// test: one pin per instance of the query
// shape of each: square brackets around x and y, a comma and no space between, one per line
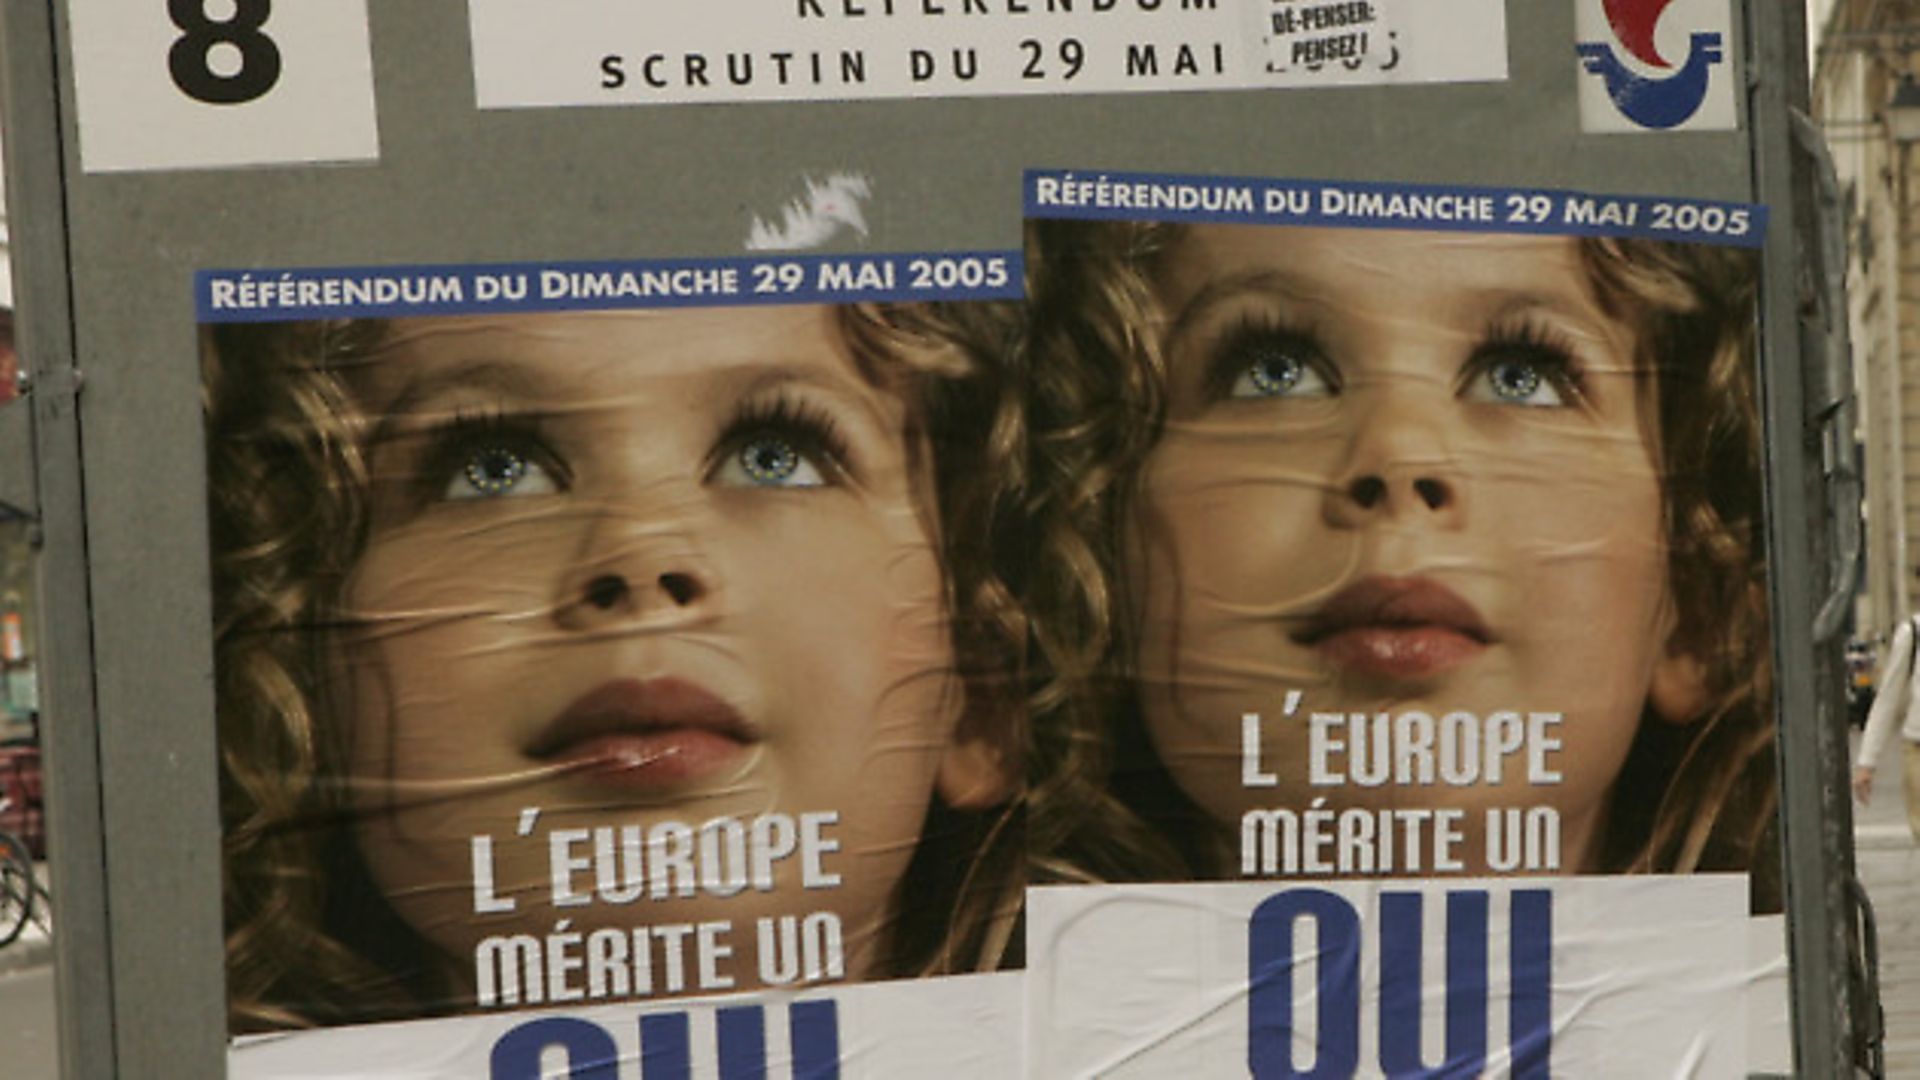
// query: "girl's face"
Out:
[1400,471]
[637,568]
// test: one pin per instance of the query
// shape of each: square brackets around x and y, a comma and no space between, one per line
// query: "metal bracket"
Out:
[54,390]
[64,383]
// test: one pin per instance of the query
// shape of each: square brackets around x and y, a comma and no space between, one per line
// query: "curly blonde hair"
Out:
[1698,796]
[310,940]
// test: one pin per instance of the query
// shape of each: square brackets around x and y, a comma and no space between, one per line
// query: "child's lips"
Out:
[1396,628]
[645,734]
[1399,652]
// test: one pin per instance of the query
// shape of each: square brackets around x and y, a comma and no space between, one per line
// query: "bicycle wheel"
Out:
[16,888]
[41,913]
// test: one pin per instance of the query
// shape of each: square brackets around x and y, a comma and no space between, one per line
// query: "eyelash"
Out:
[1235,351]
[1534,342]
[452,444]
[1523,339]
[810,428]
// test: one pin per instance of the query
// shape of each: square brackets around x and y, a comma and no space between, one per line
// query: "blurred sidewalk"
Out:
[1889,867]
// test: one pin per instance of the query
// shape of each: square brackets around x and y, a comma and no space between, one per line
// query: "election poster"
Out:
[618,632]
[1312,628]
[1417,608]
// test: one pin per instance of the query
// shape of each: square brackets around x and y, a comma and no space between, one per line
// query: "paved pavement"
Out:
[28,1039]
[1889,867]
[29,1042]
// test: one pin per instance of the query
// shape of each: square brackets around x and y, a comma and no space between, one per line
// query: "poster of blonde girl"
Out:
[1423,697]
[672,635]
[1434,519]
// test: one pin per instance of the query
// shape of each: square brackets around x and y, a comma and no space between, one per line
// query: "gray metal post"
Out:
[36,175]
[1816,817]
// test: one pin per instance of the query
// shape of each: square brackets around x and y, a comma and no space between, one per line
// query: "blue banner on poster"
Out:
[266,295]
[1119,196]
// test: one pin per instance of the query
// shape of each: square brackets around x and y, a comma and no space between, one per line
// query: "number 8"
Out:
[187,60]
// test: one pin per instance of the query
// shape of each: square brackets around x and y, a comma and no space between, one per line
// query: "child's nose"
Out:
[612,592]
[633,572]
[1399,466]
[1369,492]
[1427,494]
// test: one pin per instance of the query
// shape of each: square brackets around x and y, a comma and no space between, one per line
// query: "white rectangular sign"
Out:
[613,52]
[215,83]
[1525,978]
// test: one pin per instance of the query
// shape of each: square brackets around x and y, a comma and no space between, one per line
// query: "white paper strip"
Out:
[616,52]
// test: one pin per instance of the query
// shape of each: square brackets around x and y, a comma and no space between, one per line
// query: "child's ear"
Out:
[977,770]
[1678,691]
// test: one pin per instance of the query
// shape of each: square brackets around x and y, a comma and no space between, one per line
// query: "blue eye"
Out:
[1261,358]
[1268,378]
[1518,380]
[1528,363]
[498,470]
[1513,381]
[1279,376]
[785,441]
[770,460]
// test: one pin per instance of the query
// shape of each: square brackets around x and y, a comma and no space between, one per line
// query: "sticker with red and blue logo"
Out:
[1656,65]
